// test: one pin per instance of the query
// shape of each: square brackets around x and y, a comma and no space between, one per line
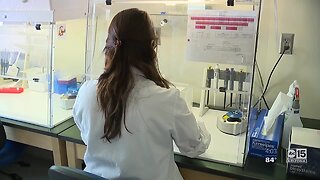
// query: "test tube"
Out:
[6,65]
[231,84]
[2,57]
[2,66]
[232,78]
[210,74]
[241,80]
[216,77]
[242,77]
[226,78]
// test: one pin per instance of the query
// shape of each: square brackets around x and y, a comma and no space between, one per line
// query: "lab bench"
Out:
[254,168]
[65,142]
[38,136]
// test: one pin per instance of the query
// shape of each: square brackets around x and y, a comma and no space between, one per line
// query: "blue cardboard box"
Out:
[265,146]
[62,87]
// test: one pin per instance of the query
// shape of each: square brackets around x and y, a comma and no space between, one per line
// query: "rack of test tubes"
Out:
[230,84]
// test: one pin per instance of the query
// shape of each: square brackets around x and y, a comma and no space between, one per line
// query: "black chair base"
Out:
[13,176]
[67,173]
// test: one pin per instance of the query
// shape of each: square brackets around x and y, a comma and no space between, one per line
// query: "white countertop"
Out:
[32,107]
[223,148]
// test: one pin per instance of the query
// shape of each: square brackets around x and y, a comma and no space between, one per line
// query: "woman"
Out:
[130,116]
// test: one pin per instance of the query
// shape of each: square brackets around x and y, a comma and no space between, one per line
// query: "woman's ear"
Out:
[154,43]
[118,43]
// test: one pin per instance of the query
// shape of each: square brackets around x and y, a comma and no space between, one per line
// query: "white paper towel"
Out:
[280,105]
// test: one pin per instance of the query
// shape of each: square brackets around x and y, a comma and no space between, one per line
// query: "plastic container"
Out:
[66,103]
[38,83]
[293,120]
[61,85]
[67,100]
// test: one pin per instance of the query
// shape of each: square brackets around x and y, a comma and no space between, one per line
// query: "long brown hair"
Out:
[131,43]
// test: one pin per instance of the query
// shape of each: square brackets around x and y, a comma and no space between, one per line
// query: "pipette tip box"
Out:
[61,86]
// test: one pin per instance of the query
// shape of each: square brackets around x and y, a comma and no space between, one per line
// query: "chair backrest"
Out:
[3,136]
[67,173]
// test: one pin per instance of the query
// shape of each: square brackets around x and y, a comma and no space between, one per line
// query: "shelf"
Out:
[18,79]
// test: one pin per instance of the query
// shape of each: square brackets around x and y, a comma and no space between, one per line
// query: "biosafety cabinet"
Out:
[206,48]
[42,52]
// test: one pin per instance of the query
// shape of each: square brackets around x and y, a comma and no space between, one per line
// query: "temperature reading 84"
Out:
[270,159]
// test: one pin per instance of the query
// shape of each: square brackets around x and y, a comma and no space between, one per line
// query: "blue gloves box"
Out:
[265,146]
[304,152]
[61,86]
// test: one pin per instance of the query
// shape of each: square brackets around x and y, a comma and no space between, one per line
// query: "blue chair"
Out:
[9,152]
[67,173]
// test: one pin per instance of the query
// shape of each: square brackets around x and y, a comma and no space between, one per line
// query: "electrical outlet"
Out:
[286,40]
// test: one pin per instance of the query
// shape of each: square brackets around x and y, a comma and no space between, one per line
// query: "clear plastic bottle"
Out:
[293,120]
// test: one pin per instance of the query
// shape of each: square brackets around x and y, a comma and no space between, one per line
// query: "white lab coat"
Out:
[155,117]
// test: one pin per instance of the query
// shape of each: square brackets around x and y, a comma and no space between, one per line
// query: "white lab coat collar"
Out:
[136,72]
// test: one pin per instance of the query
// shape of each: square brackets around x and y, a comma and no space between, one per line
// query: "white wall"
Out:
[69,9]
[172,51]
[300,17]
[20,5]
[70,49]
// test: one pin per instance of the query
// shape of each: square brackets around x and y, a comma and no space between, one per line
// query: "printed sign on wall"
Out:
[221,36]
